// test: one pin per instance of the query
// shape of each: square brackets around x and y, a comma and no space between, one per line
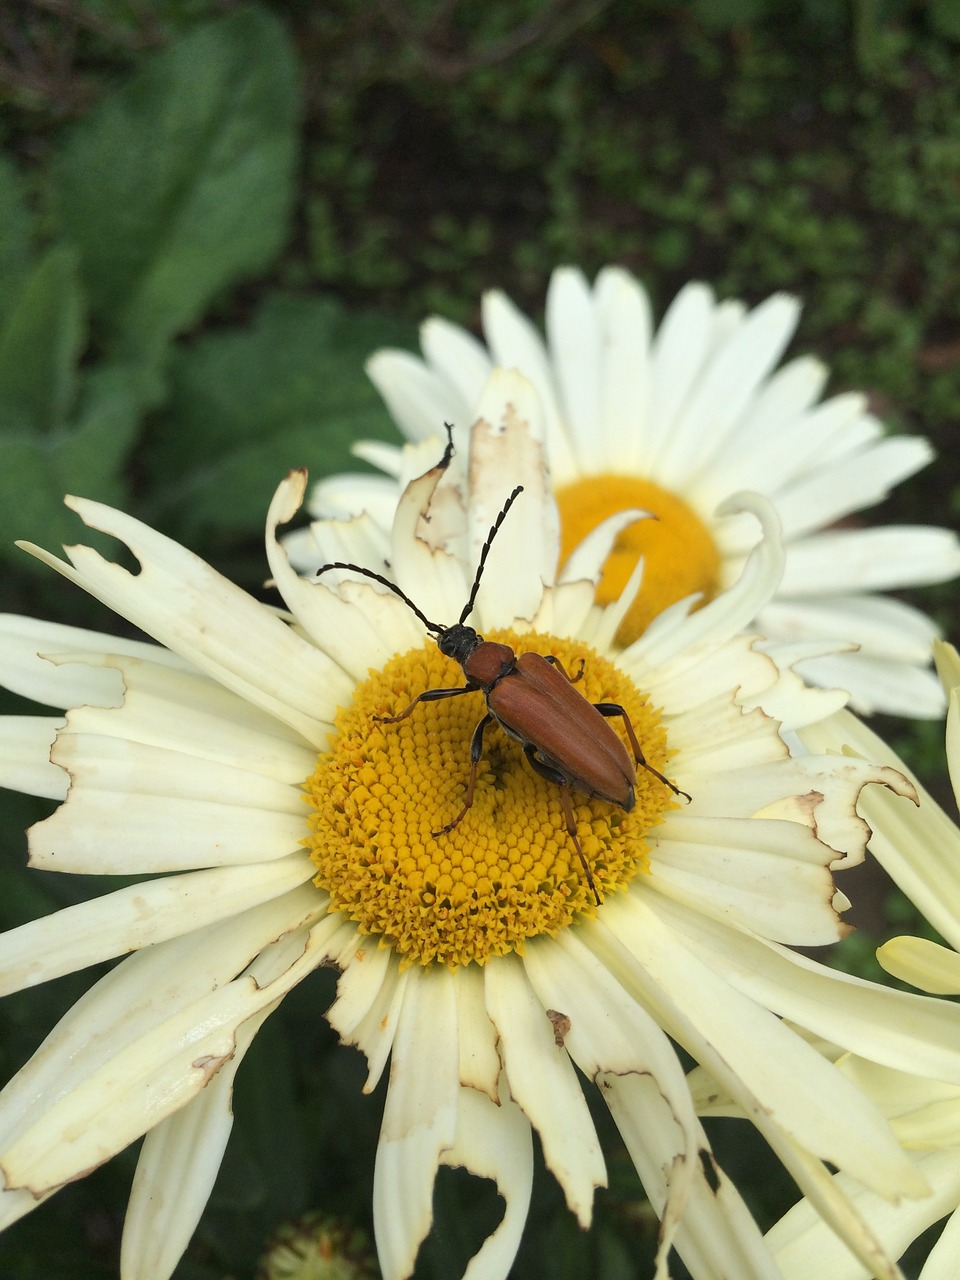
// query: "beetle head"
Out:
[458,642]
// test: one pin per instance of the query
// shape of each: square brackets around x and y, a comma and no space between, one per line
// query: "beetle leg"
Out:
[614,709]
[554,775]
[428,695]
[555,662]
[476,751]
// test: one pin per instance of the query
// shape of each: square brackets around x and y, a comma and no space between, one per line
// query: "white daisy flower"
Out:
[920,848]
[674,421]
[476,960]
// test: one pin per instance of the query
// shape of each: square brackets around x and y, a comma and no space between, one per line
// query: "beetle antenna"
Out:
[378,577]
[485,551]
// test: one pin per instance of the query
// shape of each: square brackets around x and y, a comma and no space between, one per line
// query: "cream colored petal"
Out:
[177,1168]
[769,878]
[941,1263]
[15,1203]
[610,1037]
[953,739]
[194,611]
[139,994]
[923,964]
[25,764]
[191,714]
[918,846]
[147,1081]
[841,1204]
[419,1119]
[744,1047]
[805,1246]
[109,825]
[896,1028]
[479,1060]
[139,916]
[370,995]
[713,1232]
[495,1142]
[506,449]
[344,630]
[26,644]
[824,791]
[544,1084]
[948,664]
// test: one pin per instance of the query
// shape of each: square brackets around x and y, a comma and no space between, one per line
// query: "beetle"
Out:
[566,739]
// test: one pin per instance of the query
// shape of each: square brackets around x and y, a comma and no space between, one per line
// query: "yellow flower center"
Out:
[680,556]
[509,870]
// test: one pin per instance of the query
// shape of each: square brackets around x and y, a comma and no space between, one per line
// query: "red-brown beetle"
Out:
[566,739]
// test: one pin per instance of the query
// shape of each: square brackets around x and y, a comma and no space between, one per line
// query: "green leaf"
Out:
[14,236]
[246,407]
[40,345]
[181,183]
[86,459]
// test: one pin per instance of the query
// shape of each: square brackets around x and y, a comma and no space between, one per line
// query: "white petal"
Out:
[178,1166]
[723,389]
[575,346]
[544,1084]
[138,916]
[458,356]
[516,344]
[352,493]
[419,1119]
[680,348]
[479,1060]
[731,611]
[419,399]
[882,627]
[850,483]
[25,765]
[878,685]
[625,317]
[851,561]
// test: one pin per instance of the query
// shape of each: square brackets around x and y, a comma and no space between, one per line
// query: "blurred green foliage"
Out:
[211,213]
